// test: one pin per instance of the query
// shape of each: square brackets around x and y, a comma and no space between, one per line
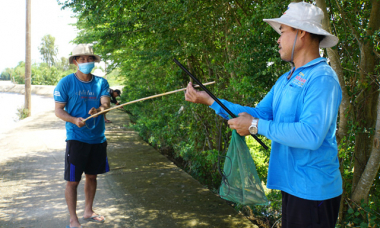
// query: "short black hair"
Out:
[117,91]
[317,37]
[312,35]
[75,57]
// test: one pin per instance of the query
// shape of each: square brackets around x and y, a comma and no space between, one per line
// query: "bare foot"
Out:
[75,223]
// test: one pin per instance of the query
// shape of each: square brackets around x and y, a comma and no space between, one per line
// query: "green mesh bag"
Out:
[240,183]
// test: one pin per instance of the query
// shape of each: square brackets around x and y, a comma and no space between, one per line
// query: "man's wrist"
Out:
[102,108]
[210,101]
[253,129]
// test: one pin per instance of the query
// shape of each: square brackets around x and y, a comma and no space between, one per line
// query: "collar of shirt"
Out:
[311,63]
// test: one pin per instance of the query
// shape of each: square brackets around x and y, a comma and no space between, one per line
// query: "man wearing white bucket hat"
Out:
[78,96]
[299,115]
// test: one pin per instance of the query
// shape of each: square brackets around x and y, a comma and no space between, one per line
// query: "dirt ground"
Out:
[143,188]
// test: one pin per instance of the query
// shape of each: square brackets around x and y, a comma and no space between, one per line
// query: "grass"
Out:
[22,113]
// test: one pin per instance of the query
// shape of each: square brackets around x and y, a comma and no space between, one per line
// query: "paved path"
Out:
[143,189]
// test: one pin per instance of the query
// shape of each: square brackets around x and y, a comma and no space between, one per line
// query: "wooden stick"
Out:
[142,99]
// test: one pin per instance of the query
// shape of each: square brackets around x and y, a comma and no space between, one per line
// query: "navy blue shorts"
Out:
[302,213]
[83,157]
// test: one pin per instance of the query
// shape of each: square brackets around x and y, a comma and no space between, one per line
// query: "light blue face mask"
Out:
[86,68]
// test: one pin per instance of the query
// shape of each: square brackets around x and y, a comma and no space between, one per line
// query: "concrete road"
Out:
[143,188]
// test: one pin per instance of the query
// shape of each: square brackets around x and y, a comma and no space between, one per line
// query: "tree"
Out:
[19,73]
[366,147]
[10,72]
[64,65]
[48,50]
[6,74]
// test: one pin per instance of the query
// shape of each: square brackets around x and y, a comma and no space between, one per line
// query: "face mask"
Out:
[86,68]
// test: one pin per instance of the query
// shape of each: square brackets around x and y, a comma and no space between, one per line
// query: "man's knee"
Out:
[72,184]
[90,177]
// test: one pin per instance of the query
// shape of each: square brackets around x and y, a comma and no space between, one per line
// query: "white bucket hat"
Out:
[307,17]
[83,49]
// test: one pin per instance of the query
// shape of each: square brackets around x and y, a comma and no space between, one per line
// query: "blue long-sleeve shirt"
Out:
[299,115]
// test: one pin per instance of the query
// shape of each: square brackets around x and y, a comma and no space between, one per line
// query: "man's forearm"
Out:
[62,114]
[103,107]
[105,104]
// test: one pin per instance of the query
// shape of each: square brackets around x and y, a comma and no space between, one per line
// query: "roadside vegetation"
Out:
[22,113]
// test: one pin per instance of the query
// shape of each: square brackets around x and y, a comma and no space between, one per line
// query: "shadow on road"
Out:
[143,189]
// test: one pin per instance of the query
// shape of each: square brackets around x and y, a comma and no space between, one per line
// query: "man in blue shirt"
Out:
[78,96]
[299,115]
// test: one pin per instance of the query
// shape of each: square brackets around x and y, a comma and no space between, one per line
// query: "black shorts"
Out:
[302,213]
[83,157]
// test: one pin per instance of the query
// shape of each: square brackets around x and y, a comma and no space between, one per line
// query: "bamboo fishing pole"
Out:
[141,99]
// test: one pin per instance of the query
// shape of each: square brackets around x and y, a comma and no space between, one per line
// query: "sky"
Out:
[46,18]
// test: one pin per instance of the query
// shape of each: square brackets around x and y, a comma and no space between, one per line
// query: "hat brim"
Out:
[328,41]
[97,57]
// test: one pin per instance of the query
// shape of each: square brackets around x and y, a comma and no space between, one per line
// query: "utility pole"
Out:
[28,74]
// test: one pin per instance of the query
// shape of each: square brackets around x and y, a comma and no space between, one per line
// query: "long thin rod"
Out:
[141,99]
[204,88]
[216,99]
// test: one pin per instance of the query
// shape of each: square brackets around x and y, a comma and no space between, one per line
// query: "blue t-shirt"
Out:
[299,115]
[79,97]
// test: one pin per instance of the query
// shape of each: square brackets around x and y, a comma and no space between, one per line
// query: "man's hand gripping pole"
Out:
[215,99]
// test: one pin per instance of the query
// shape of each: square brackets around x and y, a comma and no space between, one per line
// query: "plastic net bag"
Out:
[240,183]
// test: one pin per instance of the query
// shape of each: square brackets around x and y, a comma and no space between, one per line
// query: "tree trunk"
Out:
[366,119]
[372,167]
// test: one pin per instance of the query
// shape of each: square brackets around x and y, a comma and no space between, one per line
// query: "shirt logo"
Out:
[299,81]
[86,95]
[57,93]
